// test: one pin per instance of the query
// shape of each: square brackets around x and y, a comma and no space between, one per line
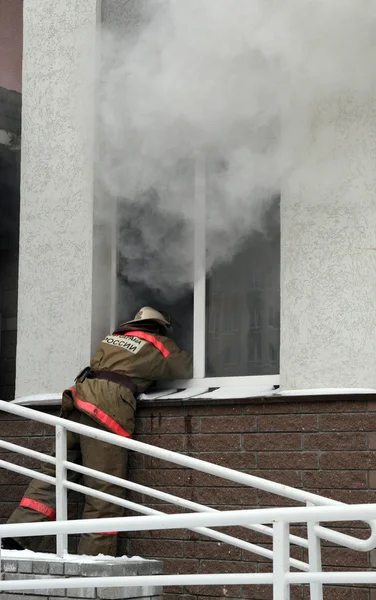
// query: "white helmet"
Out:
[146,313]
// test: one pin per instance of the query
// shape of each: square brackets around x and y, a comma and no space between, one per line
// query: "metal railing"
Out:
[273,522]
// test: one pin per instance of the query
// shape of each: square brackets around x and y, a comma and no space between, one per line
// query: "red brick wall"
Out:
[36,436]
[322,445]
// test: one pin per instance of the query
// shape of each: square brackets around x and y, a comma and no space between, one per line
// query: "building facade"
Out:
[299,319]
[327,222]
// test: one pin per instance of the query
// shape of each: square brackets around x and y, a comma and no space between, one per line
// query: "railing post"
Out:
[314,559]
[281,560]
[61,490]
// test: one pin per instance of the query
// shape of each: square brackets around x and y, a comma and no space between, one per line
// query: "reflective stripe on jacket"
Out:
[145,357]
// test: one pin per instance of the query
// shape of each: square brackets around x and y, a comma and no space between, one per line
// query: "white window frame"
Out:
[199,298]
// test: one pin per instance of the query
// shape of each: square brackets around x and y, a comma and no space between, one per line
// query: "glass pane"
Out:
[243,306]
[155,252]
[155,259]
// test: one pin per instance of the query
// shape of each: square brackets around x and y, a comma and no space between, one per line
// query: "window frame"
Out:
[199,380]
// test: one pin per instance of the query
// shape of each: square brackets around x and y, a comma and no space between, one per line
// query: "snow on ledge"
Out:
[80,558]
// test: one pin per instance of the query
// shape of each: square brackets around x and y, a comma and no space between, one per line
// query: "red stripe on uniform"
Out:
[39,507]
[149,338]
[93,410]
[107,533]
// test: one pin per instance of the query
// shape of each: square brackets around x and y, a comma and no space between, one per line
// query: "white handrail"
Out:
[216,535]
[139,508]
[206,467]
[170,498]
[320,509]
[281,577]
[224,518]
[28,452]
[329,577]
[28,472]
[170,456]
[144,490]
[134,581]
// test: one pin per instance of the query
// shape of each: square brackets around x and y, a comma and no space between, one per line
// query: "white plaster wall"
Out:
[56,231]
[328,278]
[328,281]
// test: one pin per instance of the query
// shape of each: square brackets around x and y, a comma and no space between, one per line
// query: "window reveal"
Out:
[230,320]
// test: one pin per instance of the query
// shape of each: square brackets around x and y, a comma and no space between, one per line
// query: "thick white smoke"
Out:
[184,81]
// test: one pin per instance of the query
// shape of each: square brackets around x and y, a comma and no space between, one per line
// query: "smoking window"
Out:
[223,294]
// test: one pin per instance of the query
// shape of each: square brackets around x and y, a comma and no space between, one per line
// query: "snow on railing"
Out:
[270,522]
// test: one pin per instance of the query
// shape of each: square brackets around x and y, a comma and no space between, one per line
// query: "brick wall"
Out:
[322,445]
[35,436]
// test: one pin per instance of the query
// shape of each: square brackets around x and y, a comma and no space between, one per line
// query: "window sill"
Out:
[39,400]
[217,396]
[222,396]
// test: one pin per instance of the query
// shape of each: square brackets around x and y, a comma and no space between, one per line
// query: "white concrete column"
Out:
[56,276]
[328,283]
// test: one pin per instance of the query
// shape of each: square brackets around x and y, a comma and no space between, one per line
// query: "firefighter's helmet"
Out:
[146,313]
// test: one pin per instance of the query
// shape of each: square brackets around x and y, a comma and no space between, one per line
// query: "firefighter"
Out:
[125,364]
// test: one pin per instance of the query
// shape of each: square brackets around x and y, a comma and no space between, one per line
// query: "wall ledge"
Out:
[213,398]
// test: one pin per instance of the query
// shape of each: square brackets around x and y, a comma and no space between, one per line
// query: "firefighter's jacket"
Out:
[142,356]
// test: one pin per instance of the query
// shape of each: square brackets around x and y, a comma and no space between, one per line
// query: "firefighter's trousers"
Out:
[38,503]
